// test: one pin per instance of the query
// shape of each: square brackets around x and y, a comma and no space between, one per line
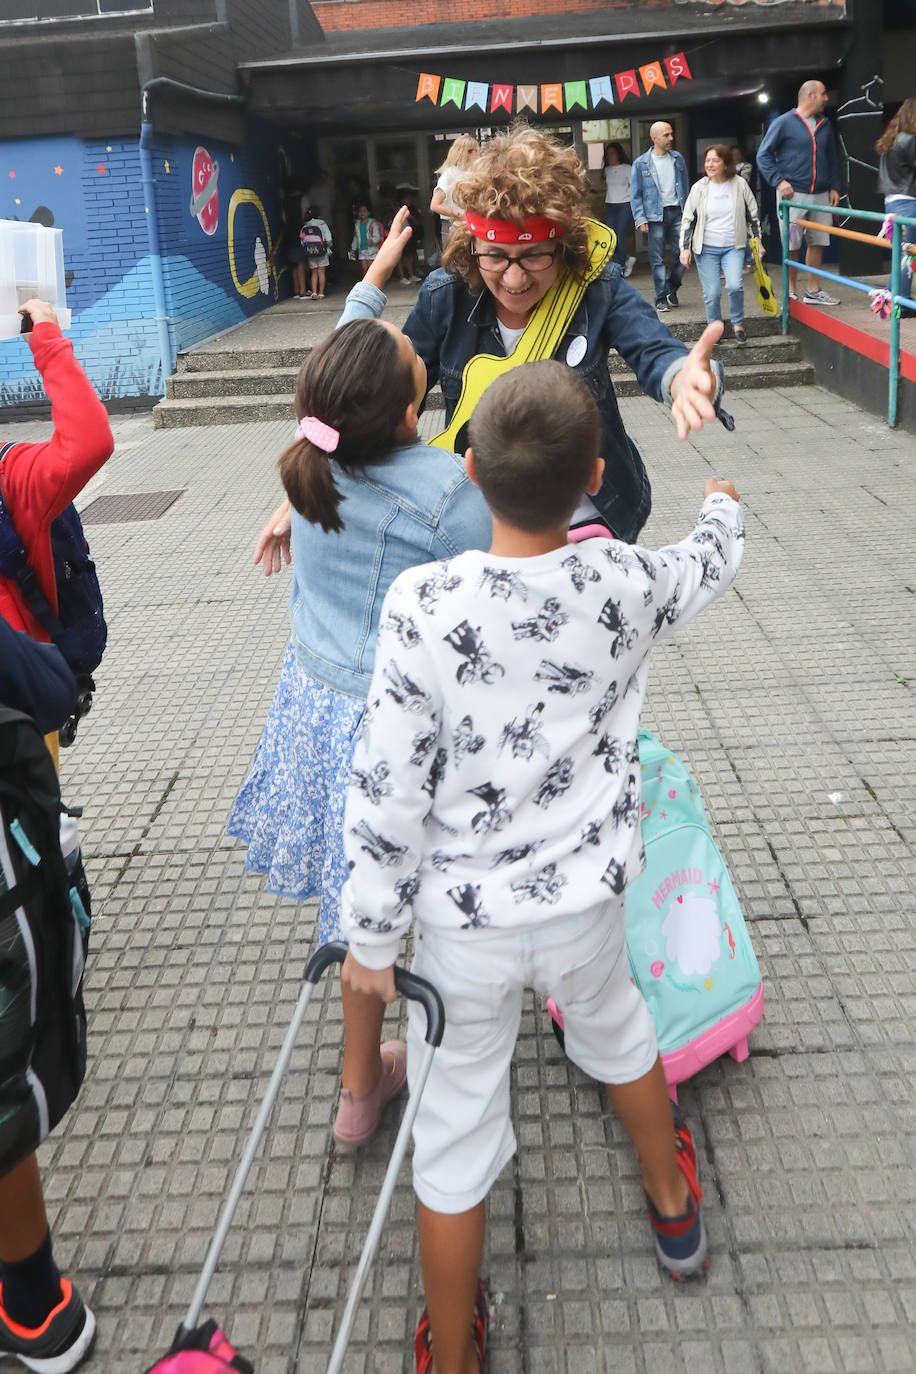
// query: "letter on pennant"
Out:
[428,87]
[453,89]
[626,83]
[527,98]
[575,94]
[651,75]
[477,94]
[552,96]
[501,97]
[601,89]
[676,66]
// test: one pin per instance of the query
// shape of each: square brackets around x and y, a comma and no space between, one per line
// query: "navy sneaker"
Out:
[680,1242]
[63,1340]
[673,300]
[662,305]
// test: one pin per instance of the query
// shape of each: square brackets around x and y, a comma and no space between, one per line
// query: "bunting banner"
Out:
[563,96]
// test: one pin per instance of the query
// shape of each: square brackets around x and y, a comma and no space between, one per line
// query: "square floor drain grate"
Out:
[114,510]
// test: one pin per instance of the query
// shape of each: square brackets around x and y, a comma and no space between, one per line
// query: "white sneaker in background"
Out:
[628,266]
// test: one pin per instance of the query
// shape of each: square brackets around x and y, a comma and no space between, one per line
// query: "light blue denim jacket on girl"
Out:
[416,506]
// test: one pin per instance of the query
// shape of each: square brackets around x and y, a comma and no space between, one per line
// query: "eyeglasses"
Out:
[497,263]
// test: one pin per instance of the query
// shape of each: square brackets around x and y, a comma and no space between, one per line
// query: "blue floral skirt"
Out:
[290,809]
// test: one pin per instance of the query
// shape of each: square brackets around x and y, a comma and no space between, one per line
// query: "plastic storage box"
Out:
[31,264]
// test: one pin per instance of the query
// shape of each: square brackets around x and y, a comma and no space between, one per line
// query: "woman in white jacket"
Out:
[714,229]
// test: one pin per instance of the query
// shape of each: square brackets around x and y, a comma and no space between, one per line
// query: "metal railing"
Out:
[897,250]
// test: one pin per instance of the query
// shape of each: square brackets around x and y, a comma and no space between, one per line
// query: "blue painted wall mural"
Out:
[218,219]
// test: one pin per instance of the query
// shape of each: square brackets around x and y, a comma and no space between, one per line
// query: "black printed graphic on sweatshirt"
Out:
[544,887]
[610,750]
[645,563]
[556,781]
[387,853]
[589,834]
[364,922]
[373,784]
[670,611]
[618,555]
[615,877]
[435,774]
[503,583]
[580,573]
[525,736]
[405,627]
[614,620]
[600,709]
[544,625]
[479,664]
[405,890]
[435,585]
[626,808]
[464,741]
[467,900]
[366,719]
[496,815]
[443,862]
[421,744]
[516,853]
[712,532]
[712,571]
[569,679]
[408,694]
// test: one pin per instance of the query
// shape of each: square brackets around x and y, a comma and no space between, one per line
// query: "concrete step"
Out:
[223,410]
[737,378]
[279,381]
[759,351]
[261,359]
[689,327]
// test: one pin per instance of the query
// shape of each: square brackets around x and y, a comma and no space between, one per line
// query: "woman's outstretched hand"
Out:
[694,387]
[389,253]
[273,541]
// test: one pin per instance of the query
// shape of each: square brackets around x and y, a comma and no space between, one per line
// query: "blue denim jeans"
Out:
[666,234]
[728,261]
[618,216]
[907,235]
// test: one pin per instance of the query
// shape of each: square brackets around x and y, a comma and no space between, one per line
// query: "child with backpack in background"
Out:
[369,499]
[43,1321]
[495,799]
[315,238]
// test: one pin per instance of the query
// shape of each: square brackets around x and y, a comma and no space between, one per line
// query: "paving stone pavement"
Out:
[792,702]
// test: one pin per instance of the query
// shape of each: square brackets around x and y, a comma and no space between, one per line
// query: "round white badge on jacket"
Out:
[576,351]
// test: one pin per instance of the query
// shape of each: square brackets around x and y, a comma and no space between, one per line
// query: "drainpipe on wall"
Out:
[166,353]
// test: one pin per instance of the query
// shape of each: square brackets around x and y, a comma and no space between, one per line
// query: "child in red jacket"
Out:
[43,1321]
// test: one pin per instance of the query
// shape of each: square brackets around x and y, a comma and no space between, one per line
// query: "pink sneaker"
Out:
[358,1117]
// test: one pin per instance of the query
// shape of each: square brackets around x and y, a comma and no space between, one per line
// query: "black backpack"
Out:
[44,926]
[312,240]
[79,628]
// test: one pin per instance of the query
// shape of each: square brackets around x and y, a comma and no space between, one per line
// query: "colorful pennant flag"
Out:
[428,86]
[552,98]
[477,94]
[453,90]
[652,76]
[676,66]
[527,98]
[501,98]
[601,89]
[575,94]
[626,83]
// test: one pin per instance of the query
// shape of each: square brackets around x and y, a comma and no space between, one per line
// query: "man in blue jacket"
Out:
[798,155]
[658,189]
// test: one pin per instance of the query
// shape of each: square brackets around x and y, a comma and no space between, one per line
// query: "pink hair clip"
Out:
[318,433]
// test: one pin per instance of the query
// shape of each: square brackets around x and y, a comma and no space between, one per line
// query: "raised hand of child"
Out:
[714,484]
[39,312]
[389,253]
[694,387]
[373,982]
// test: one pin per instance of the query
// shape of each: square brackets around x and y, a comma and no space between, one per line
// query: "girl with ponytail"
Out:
[368,499]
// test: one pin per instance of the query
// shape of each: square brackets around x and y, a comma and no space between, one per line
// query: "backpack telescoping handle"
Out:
[409,985]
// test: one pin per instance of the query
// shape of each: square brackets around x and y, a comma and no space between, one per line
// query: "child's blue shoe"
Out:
[680,1242]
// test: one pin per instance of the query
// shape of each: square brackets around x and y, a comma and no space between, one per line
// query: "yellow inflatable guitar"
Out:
[542,335]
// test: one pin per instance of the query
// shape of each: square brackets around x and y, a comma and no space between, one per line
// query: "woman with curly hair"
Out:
[897,178]
[523,254]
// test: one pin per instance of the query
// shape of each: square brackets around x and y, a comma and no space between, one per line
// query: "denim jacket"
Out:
[449,325]
[646,193]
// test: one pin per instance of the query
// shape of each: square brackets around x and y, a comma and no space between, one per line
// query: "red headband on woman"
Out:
[535,229]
